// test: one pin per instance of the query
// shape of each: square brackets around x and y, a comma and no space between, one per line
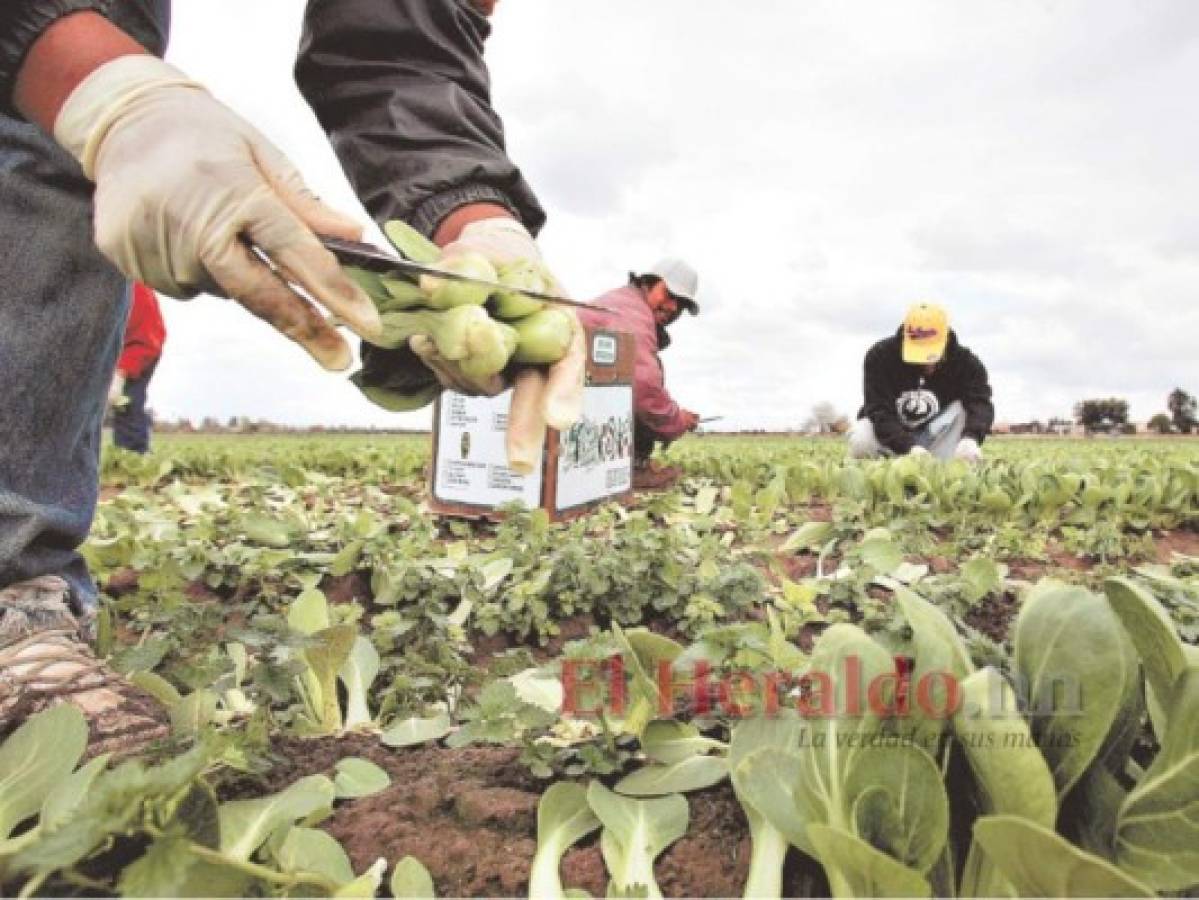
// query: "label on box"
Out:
[595,455]
[603,349]
[472,456]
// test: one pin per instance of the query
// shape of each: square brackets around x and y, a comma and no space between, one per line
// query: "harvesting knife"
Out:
[369,257]
[711,419]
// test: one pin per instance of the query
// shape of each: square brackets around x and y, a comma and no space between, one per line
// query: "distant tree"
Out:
[824,417]
[1060,425]
[1106,415]
[1183,409]
[1161,424]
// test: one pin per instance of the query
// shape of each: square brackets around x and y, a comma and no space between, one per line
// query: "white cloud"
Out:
[1030,164]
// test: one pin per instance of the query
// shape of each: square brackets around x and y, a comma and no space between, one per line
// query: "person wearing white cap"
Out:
[645,307]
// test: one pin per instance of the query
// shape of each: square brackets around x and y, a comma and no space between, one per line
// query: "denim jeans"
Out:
[62,313]
[939,437]
[131,424]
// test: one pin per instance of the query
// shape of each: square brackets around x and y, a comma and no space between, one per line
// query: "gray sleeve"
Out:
[401,89]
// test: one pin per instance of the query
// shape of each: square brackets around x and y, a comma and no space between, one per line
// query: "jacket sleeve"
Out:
[23,21]
[879,404]
[145,334]
[401,89]
[976,398]
[655,408]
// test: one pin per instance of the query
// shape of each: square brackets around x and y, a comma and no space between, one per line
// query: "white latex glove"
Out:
[968,450]
[917,450]
[504,240]
[184,186]
[116,392]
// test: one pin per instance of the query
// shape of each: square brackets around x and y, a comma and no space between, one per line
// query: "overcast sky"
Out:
[1030,164]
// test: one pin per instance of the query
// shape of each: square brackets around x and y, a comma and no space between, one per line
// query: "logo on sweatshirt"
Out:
[917,407]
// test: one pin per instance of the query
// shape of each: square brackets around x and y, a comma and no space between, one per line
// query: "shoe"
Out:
[43,661]
[654,477]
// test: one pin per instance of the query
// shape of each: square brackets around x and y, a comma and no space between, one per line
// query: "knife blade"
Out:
[369,257]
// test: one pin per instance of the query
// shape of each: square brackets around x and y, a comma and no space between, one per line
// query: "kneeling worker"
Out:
[645,307]
[925,393]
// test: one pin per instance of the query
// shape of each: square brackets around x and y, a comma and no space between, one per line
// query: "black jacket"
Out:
[900,397]
[399,86]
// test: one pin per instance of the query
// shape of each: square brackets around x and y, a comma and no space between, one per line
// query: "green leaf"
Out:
[1010,773]
[809,536]
[898,804]
[309,612]
[412,880]
[416,730]
[1040,863]
[358,673]
[635,832]
[66,796]
[981,577]
[1152,633]
[1080,671]
[313,850]
[1157,834]
[411,243]
[359,778]
[36,757]
[692,774]
[855,869]
[880,554]
[267,531]
[563,819]
[668,741]
[246,824]
[162,871]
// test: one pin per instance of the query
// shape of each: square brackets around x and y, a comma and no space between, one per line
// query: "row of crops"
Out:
[893,678]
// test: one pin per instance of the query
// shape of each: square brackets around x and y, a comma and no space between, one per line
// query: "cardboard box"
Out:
[589,464]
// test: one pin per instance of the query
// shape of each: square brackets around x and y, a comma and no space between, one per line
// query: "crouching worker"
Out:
[145,334]
[924,393]
[645,307]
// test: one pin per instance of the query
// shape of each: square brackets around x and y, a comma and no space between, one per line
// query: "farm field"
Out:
[792,674]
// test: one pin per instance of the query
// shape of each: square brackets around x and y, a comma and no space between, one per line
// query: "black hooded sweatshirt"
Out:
[901,398]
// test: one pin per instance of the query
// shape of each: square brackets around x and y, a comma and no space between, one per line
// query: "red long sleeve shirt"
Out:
[145,333]
[652,403]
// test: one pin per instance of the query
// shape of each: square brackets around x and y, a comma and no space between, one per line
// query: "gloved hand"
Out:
[917,450]
[503,240]
[968,450]
[691,419]
[116,392]
[184,186]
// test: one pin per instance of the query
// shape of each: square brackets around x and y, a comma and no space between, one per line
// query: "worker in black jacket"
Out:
[924,393]
[115,165]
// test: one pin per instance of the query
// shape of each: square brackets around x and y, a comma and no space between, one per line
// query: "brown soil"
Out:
[1170,542]
[341,589]
[470,816]
[993,616]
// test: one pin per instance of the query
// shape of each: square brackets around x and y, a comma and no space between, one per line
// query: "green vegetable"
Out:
[397,401]
[563,819]
[635,832]
[399,294]
[490,345]
[544,337]
[520,276]
[411,243]
[446,293]
[449,328]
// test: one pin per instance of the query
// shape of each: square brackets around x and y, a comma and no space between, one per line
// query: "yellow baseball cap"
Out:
[925,334]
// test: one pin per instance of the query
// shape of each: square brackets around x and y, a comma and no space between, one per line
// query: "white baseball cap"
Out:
[680,280]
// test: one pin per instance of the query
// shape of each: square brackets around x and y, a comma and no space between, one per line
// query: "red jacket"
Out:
[652,404]
[144,334]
